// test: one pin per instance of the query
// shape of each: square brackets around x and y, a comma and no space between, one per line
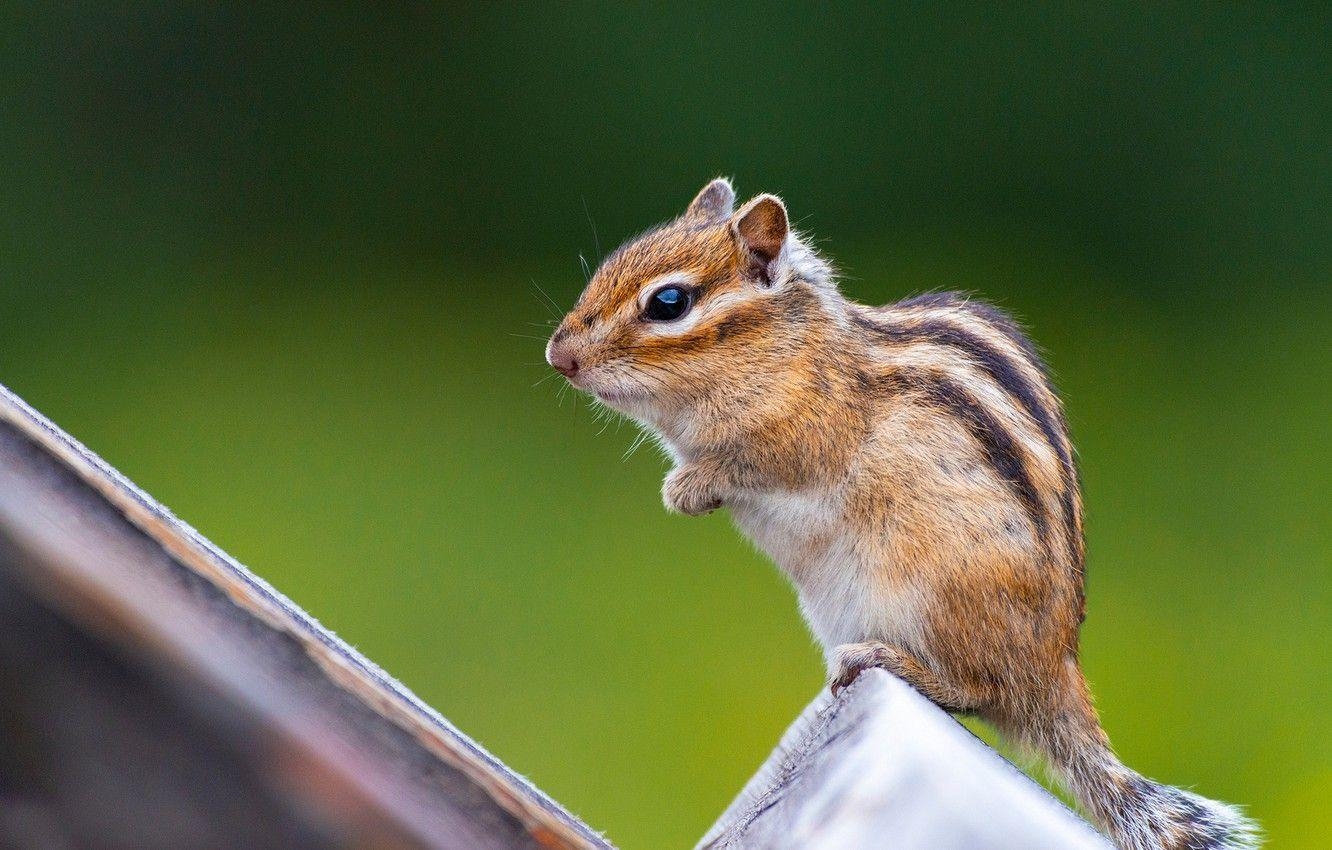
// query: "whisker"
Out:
[596,240]
[634,446]
[555,310]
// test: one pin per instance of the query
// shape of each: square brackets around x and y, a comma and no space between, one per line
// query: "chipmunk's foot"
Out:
[690,490]
[854,659]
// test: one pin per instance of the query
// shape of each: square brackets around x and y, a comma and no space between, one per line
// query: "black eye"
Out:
[667,304]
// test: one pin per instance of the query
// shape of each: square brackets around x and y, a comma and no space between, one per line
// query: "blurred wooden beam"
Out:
[155,693]
[881,766]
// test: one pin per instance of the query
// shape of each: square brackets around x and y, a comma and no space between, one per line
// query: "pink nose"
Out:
[563,360]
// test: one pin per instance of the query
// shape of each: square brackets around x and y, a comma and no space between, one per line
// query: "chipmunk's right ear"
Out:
[761,227]
[713,203]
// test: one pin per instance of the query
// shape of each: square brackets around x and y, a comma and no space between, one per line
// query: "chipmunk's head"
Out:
[705,307]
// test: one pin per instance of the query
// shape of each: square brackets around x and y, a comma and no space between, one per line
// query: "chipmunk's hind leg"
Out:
[854,658]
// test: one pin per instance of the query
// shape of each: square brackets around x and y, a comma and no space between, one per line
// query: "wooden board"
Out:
[155,693]
[882,767]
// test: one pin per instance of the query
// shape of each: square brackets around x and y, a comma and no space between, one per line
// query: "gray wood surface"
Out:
[155,693]
[882,767]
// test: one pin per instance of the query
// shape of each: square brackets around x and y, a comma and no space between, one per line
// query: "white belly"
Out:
[844,593]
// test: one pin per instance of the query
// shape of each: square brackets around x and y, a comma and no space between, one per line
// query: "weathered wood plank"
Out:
[881,766]
[155,693]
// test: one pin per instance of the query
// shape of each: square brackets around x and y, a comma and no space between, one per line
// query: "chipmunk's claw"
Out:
[844,678]
[854,659]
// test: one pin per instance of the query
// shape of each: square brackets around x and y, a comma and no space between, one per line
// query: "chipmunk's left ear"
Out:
[713,203]
[761,227]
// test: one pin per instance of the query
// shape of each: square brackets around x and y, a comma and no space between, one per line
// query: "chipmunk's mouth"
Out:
[608,391]
[618,397]
[614,396]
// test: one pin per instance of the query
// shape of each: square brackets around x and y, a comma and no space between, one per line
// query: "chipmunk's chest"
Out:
[794,529]
[806,536]
[840,576]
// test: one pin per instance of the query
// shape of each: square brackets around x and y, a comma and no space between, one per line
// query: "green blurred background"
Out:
[281,268]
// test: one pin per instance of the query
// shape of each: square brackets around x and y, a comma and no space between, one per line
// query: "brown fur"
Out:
[913,455]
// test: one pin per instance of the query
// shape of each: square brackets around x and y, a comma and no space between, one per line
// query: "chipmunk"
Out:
[908,467]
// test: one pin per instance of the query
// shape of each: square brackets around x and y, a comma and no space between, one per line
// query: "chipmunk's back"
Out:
[971,364]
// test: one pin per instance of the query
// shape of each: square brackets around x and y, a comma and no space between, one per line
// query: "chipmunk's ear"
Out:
[761,228]
[713,203]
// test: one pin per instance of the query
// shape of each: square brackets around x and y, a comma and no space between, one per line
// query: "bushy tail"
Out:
[1137,813]
[1158,816]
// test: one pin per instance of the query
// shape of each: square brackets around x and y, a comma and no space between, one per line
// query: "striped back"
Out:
[971,360]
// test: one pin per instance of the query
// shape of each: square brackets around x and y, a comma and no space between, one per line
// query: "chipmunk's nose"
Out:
[561,357]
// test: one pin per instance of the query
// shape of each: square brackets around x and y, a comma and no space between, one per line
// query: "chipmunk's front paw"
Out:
[691,491]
